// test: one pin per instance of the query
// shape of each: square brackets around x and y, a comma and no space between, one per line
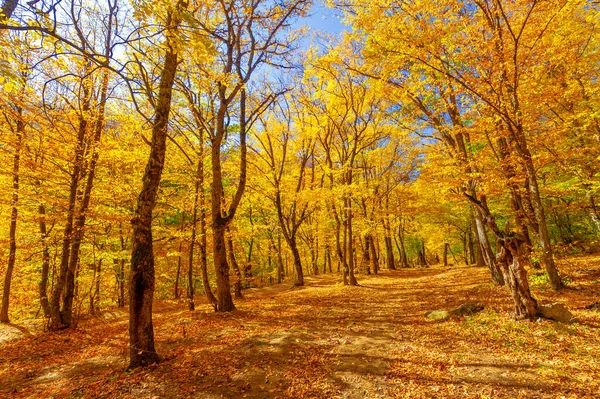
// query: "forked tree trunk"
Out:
[141,289]
[511,260]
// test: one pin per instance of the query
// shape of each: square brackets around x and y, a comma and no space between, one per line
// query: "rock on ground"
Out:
[556,311]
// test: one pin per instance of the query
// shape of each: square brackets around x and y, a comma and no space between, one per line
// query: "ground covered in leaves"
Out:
[329,341]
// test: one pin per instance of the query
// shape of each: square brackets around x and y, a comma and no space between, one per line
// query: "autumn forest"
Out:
[295,199]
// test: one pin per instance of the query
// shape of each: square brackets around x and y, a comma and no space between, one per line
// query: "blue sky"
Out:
[325,20]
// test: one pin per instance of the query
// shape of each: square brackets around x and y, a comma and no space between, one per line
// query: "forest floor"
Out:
[325,340]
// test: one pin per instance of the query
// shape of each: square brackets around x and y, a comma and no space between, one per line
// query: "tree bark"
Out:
[9,7]
[511,260]
[12,253]
[65,283]
[237,285]
[43,286]
[141,288]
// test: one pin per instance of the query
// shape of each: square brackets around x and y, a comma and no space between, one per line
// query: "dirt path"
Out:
[326,341]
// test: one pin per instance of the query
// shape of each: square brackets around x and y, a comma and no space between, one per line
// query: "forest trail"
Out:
[326,340]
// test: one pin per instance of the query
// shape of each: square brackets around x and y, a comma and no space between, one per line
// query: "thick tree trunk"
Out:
[8,7]
[141,289]
[224,298]
[12,251]
[511,260]
[389,253]
[297,262]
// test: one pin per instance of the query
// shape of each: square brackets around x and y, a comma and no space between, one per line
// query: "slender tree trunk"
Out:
[445,257]
[486,249]
[593,210]
[43,286]
[95,296]
[350,241]
[237,285]
[197,188]
[367,254]
[540,215]
[279,261]
[12,253]
[141,289]
[79,226]
[121,272]
[121,301]
[203,239]
[178,271]
[66,276]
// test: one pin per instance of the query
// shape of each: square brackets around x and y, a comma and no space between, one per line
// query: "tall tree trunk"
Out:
[95,295]
[121,272]
[350,241]
[43,286]
[445,257]
[178,271]
[79,226]
[367,254]
[65,276]
[237,285]
[203,239]
[198,186]
[12,253]
[141,289]
[279,261]
[540,215]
